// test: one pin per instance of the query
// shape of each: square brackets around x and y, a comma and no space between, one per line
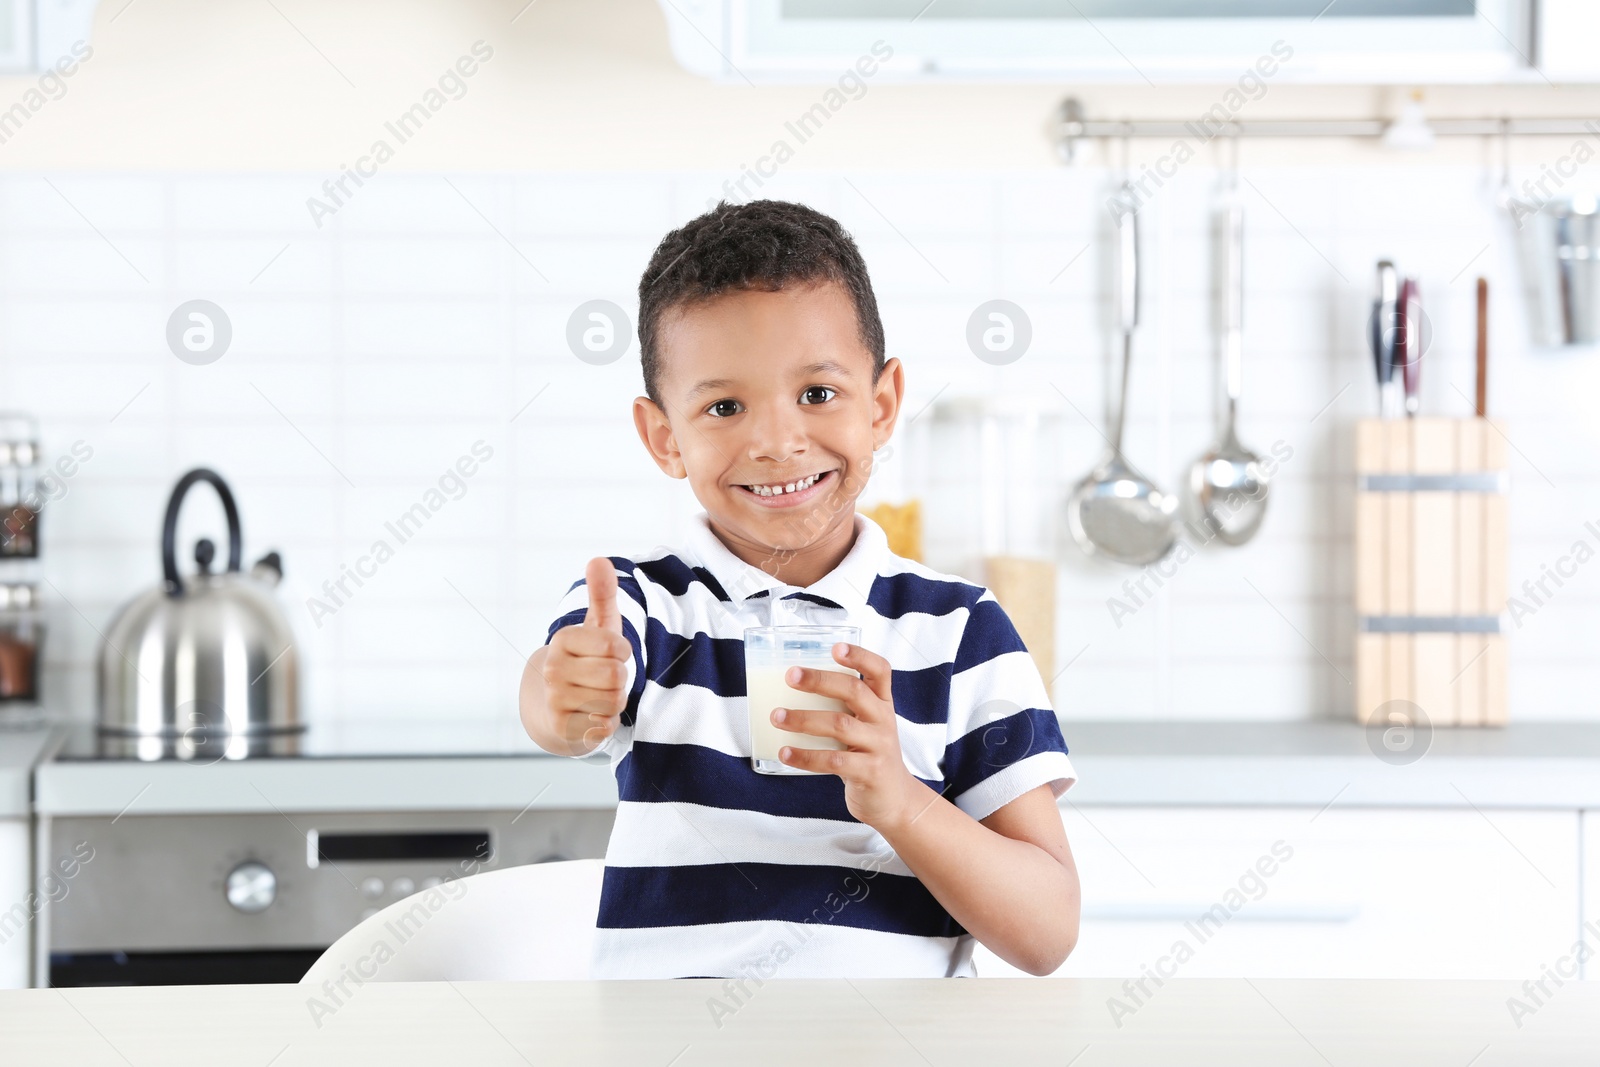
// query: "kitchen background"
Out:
[417,324]
[373,346]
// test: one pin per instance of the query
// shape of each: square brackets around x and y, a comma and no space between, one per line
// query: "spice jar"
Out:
[19,487]
[21,634]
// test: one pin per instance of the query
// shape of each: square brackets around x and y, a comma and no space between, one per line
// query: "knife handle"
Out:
[1408,350]
[1382,332]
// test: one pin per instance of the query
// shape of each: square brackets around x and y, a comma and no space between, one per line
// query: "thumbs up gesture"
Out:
[601,578]
[585,667]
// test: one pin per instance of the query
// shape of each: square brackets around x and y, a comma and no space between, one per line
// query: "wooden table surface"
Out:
[993,1022]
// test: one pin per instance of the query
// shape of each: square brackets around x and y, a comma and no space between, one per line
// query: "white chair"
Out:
[514,924]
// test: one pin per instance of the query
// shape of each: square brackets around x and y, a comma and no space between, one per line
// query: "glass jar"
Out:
[19,487]
[988,472]
[21,637]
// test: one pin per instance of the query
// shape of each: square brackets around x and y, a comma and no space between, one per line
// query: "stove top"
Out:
[420,739]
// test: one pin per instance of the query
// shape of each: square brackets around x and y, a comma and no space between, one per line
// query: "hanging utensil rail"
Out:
[1072,126]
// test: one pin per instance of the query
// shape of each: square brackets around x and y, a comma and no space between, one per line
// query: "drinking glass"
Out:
[769,652]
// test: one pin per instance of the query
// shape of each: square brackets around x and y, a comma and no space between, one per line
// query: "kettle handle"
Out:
[169,531]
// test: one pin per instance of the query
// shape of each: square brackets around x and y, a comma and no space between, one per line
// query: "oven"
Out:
[156,899]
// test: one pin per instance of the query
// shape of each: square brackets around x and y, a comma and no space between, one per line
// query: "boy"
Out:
[768,390]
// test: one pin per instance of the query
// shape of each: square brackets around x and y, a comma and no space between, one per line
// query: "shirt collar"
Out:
[847,585]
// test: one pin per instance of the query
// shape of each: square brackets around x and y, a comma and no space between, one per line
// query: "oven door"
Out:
[245,898]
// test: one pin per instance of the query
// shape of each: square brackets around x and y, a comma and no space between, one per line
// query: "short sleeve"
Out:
[632,606]
[1003,738]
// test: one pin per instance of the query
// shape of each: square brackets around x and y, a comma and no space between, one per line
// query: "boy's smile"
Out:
[789,494]
[772,414]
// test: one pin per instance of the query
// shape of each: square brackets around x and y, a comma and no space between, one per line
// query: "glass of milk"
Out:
[769,652]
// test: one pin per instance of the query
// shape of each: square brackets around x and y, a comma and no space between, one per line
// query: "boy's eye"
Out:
[721,409]
[818,394]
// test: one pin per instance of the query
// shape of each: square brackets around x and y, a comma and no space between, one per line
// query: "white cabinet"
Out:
[1347,893]
[1163,42]
[16,912]
[1566,40]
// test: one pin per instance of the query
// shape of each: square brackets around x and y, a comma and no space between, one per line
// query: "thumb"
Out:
[601,577]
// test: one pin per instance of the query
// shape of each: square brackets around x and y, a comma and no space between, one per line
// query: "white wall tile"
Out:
[432,391]
[271,328]
[627,206]
[60,387]
[250,390]
[874,205]
[52,324]
[424,267]
[76,202]
[259,265]
[266,446]
[118,265]
[205,204]
[575,269]
[381,328]
[417,204]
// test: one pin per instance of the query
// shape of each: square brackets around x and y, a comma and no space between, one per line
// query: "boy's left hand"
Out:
[878,789]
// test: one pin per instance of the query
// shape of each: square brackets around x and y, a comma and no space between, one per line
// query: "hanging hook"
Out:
[1069,129]
[1505,153]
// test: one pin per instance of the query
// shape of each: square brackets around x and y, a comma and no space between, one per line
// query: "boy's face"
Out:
[763,391]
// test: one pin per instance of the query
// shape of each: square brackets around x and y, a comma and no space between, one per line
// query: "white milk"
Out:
[768,690]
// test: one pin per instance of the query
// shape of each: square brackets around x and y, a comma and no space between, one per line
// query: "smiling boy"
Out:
[768,390]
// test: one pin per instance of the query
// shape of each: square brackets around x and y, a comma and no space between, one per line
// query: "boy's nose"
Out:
[776,435]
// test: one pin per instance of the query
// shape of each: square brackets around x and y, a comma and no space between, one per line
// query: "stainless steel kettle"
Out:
[204,656]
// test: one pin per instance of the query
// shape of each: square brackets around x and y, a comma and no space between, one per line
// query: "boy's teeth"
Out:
[779,490]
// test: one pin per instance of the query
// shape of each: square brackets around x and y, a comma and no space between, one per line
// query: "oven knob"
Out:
[252,887]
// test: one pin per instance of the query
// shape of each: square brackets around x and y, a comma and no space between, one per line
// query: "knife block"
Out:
[1430,568]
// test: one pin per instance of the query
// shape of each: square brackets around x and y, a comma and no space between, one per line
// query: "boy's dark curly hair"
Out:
[765,244]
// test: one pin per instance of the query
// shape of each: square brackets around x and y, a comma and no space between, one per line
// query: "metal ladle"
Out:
[1227,485]
[1115,511]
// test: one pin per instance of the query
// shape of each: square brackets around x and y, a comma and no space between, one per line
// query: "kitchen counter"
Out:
[20,750]
[882,1022]
[417,766]
[1524,765]
[1308,764]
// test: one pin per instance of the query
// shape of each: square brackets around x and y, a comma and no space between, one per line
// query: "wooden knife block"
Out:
[1431,582]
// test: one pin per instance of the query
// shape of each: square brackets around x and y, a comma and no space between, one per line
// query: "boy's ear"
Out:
[656,433]
[887,395]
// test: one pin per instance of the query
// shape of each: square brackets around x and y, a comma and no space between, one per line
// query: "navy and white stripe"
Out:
[715,870]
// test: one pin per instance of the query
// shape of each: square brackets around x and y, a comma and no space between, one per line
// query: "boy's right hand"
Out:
[586,669]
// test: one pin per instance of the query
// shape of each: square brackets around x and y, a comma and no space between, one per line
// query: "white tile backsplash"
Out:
[377,334]
[113,203]
[369,354]
[114,264]
[254,204]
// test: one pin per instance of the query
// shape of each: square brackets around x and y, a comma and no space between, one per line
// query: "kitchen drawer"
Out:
[1350,893]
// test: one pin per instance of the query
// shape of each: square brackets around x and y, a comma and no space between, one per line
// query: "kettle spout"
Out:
[268,568]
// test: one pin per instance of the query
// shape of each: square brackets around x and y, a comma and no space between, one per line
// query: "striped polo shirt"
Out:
[714,870]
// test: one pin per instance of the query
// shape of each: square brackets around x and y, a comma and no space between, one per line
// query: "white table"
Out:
[992,1022]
